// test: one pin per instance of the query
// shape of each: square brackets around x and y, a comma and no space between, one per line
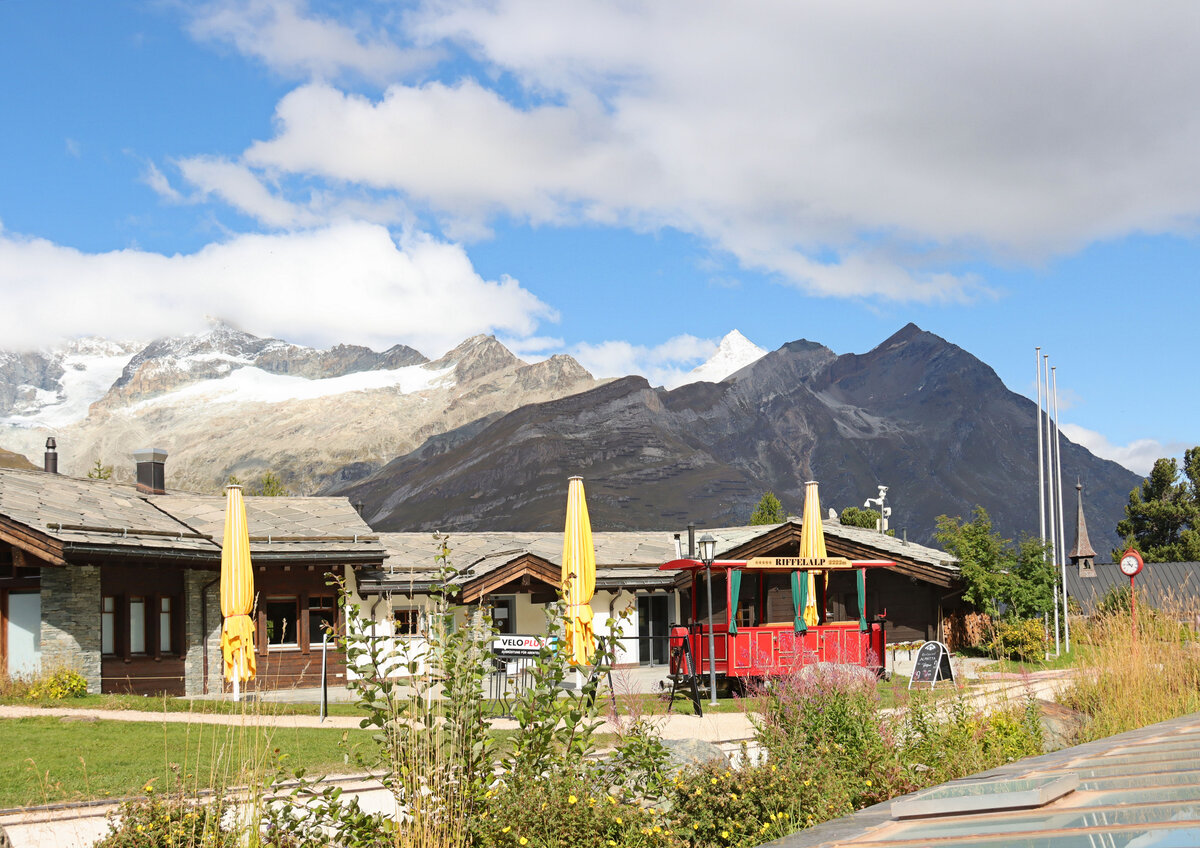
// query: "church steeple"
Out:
[1082,554]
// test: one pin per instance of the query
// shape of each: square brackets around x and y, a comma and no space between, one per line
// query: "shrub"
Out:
[1022,639]
[170,822]
[57,685]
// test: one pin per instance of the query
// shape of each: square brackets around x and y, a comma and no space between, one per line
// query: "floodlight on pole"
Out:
[708,551]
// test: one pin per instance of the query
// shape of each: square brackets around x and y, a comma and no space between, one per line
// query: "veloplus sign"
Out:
[513,646]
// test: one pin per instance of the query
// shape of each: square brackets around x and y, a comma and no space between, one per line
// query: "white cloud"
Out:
[857,150]
[286,37]
[343,283]
[158,181]
[666,364]
[243,190]
[1138,456]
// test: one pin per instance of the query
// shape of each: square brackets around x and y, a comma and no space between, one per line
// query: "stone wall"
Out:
[196,609]
[71,621]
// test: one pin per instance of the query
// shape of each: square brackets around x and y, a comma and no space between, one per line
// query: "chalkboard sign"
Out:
[933,664]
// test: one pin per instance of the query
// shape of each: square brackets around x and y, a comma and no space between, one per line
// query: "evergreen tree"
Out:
[768,511]
[100,471]
[271,486]
[1162,518]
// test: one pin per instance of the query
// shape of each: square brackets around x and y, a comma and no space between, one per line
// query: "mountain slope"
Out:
[227,402]
[917,414]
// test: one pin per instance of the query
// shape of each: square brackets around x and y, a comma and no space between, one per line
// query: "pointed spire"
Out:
[1083,546]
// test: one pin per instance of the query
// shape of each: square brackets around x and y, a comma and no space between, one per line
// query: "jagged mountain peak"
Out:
[476,357]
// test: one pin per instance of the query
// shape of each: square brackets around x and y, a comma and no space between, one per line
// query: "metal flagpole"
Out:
[1042,485]
[1062,533]
[1050,491]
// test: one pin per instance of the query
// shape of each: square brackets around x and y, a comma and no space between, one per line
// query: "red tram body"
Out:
[756,648]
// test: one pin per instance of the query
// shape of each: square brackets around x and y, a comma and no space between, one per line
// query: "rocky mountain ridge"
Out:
[916,413]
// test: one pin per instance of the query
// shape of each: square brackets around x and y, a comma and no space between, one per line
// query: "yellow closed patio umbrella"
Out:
[578,575]
[237,593]
[812,546]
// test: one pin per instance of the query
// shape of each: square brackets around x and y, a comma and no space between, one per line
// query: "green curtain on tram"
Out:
[735,589]
[800,599]
[862,600]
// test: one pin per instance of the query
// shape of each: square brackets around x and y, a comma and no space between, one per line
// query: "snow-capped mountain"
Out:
[733,354]
[227,402]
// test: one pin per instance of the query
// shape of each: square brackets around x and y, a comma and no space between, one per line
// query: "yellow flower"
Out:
[149,787]
[657,829]
[612,800]
[506,828]
[733,796]
[772,817]
[523,841]
[619,821]
[724,834]
[571,799]
[868,783]
[714,780]
[807,782]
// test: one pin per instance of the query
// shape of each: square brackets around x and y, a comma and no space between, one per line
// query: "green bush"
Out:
[64,683]
[169,822]
[1022,639]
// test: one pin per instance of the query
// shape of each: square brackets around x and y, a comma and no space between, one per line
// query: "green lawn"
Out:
[168,704]
[45,760]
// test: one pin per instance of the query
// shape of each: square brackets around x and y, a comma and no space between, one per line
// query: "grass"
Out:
[168,704]
[47,760]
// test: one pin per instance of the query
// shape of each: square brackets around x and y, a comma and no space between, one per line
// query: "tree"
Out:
[1162,518]
[271,486]
[100,471]
[768,511]
[1000,578]
[852,516]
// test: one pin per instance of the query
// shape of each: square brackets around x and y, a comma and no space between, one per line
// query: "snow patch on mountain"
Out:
[254,385]
[733,354]
[90,366]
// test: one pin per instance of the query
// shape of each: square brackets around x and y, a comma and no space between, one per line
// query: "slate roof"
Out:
[1168,586]
[283,526]
[93,512]
[100,514]
[629,559]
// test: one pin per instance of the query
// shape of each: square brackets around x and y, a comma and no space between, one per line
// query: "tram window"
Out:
[779,608]
[843,596]
[748,606]
[718,596]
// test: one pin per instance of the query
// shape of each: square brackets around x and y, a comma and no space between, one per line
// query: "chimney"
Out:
[151,471]
[50,458]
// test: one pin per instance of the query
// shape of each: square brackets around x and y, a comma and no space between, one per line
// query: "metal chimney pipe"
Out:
[50,458]
[691,540]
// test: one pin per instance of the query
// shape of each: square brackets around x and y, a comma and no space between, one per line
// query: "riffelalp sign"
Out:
[793,563]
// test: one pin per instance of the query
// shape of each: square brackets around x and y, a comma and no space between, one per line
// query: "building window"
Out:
[283,621]
[322,617]
[407,622]
[137,625]
[165,626]
[108,625]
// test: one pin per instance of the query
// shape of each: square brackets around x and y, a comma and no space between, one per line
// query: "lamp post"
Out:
[708,551]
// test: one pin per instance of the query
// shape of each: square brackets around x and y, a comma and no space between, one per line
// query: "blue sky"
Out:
[625,183]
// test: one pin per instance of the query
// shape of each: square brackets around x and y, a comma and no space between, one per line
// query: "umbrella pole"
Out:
[237,677]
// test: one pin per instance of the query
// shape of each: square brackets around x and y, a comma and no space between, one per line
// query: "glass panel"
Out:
[282,614]
[1063,820]
[1161,837]
[164,625]
[1153,795]
[321,618]
[1173,779]
[406,622]
[137,625]
[108,626]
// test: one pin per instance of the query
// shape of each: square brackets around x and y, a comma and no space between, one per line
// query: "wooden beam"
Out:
[522,566]
[27,540]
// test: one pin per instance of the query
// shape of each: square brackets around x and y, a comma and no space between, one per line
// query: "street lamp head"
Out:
[708,548]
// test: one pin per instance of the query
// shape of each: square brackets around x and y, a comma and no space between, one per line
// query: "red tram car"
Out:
[758,620]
